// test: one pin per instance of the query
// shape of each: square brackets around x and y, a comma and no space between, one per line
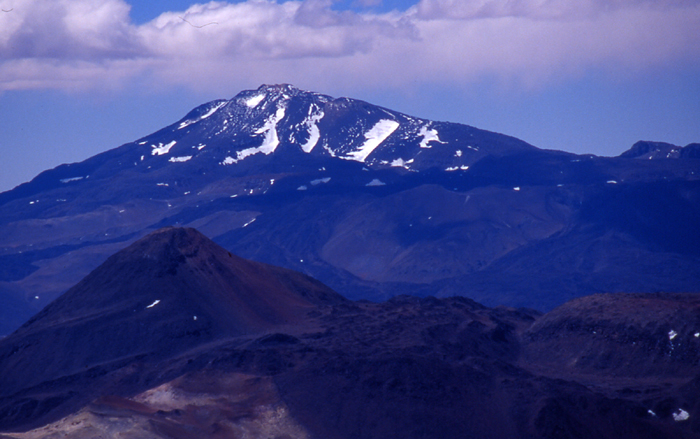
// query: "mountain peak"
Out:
[170,242]
[651,150]
[268,93]
[281,118]
[165,293]
[280,89]
[661,150]
[272,87]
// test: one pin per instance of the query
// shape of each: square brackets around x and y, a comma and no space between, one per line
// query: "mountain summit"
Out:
[165,293]
[281,119]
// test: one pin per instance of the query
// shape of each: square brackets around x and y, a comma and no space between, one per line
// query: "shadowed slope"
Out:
[170,291]
[121,355]
[620,336]
[186,272]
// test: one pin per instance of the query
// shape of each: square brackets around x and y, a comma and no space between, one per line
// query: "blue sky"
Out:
[78,77]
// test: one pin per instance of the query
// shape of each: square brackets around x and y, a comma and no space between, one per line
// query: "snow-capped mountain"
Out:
[279,129]
[370,201]
[281,119]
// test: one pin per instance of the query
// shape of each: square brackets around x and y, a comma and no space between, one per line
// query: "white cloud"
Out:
[536,9]
[66,30]
[266,30]
[89,43]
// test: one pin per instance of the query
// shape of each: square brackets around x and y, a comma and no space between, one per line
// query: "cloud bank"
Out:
[89,44]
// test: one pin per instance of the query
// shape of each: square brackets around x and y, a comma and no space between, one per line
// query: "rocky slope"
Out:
[303,362]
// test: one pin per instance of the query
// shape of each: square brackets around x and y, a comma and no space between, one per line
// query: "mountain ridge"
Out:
[459,211]
[164,294]
[409,366]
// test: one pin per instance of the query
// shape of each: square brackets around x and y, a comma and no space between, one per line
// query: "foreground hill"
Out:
[370,201]
[273,353]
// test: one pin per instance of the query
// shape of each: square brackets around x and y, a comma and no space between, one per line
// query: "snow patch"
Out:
[180,159]
[458,153]
[401,163]
[373,138]
[680,415]
[270,141]
[162,149]
[320,180]
[612,182]
[457,168]
[202,117]
[157,301]
[302,188]
[376,182]
[329,150]
[162,184]
[429,135]
[68,180]
[213,110]
[672,334]
[200,146]
[516,189]
[311,123]
[254,101]
[248,223]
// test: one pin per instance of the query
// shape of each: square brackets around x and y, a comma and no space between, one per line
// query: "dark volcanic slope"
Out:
[182,269]
[620,336]
[168,292]
[273,353]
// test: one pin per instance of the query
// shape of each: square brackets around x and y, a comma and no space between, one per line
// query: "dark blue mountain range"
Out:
[372,202]
[176,337]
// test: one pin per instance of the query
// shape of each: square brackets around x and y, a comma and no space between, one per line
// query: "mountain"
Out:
[372,202]
[164,294]
[661,150]
[621,336]
[274,353]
